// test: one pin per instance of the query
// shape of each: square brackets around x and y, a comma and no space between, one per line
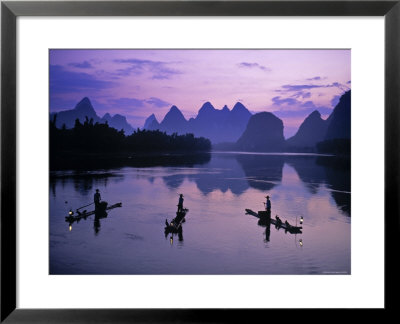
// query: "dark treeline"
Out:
[339,146]
[92,137]
[82,163]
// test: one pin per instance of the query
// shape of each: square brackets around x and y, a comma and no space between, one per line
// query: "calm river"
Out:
[218,237]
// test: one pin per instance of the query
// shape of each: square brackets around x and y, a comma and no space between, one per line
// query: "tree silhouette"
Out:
[337,146]
[101,138]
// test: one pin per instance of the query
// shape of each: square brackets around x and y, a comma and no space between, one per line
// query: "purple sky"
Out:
[137,83]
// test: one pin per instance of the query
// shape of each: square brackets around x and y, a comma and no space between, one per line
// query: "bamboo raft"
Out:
[85,214]
[175,226]
[278,224]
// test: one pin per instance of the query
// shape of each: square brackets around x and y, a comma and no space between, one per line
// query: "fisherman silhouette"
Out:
[268,204]
[180,203]
[97,199]
[278,221]
[100,205]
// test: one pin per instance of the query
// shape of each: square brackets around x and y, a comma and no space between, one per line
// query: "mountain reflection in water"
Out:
[219,237]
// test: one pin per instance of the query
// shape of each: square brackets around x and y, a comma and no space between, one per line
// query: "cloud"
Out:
[64,81]
[126,102]
[164,75]
[301,112]
[302,94]
[129,103]
[158,69]
[254,65]
[335,101]
[278,101]
[138,62]
[338,85]
[309,104]
[291,107]
[159,103]
[59,103]
[83,65]
[317,78]
[301,87]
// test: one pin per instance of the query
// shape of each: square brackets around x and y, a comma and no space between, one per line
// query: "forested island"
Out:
[89,137]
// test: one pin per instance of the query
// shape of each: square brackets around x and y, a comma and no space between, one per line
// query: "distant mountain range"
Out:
[311,131]
[314,129]
[218,125]
[235,129]
[238,129]
[339,122]
[264,133]
[85,109]
[151,122]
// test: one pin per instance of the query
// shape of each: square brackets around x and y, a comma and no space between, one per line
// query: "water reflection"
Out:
[221,173]
[339,178]
[219,238]
[172,234]
[311,174]
[263,172]
[84,181]
[343,201]
[226,172]
[238,172]
[174,181]
[77,216]
[134,161]
[97,224]
[265,221]
[334,172]
[96,221]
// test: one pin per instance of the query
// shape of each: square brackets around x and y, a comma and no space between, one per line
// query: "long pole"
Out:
[86,205]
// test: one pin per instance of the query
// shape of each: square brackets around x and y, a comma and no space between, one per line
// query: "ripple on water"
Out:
[217,237]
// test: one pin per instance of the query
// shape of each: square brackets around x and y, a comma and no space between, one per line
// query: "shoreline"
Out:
[73,160]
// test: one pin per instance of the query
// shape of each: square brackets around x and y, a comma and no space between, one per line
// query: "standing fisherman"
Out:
[180,203]
[268,205]
[97,199]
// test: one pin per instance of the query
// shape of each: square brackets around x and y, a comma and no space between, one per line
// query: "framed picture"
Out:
[186,157]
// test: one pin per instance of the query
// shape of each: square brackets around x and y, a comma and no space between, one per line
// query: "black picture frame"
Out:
[10,10]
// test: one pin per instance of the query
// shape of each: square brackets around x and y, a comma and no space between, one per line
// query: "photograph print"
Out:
[200,162]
